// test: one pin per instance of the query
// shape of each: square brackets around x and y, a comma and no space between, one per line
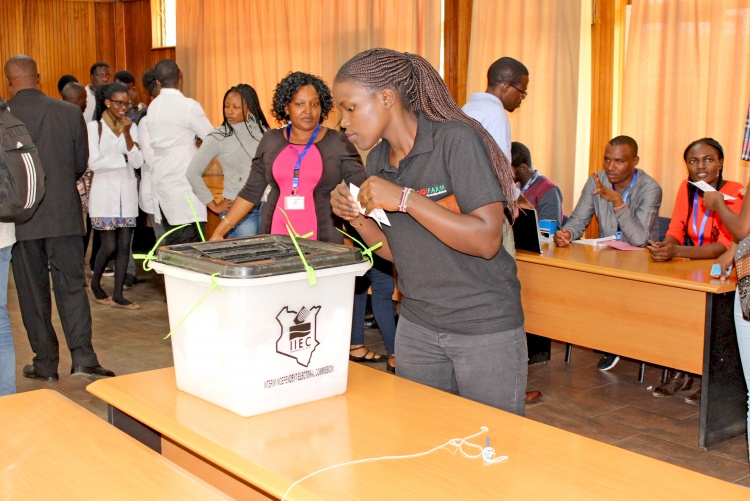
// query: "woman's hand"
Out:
[216,237]
[222,206]
[712,200]
[125,125]
[343,203]
[376,193]
[725,262]
[661,251]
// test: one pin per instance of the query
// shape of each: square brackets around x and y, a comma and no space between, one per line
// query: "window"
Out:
[164,23]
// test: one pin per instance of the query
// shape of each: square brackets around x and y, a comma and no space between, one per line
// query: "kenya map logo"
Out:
[297,339]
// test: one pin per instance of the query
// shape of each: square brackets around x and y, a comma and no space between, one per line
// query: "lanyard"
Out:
[531,181]
[295,179]
[695,220]
[626,192]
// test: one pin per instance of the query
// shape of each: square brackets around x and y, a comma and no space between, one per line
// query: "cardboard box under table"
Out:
[250,333]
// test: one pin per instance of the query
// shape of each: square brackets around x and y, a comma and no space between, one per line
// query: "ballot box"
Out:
[250,332]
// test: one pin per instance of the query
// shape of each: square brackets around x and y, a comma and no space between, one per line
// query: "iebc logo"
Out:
[298,339]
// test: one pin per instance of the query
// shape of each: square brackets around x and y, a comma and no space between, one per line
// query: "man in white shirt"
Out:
[507,81]
[174,123]
[101,74]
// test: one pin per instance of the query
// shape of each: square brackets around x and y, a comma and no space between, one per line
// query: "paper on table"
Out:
[377,214]
[594,241]
[620,245]
[704,186]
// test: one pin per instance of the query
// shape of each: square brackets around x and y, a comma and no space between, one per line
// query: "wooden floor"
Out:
[608,406]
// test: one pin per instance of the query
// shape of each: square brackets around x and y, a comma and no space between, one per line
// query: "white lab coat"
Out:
[114,189]
[145,196]
[173,123]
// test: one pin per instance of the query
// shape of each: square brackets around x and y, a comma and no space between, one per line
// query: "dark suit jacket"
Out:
[59,133]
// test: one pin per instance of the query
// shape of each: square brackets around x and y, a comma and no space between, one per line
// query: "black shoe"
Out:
[130,281]
[93,373]
[108,272]
[30,372]
[607,362]
[370,323]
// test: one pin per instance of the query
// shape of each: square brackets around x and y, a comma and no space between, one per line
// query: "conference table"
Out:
[671,314]
[380,415]
[52,448]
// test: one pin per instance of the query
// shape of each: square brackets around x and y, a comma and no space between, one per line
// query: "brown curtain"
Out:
[686,78]
[221,43]
[547,37]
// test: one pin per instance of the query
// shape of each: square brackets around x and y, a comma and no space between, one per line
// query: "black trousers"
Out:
[33,262]
[186,235]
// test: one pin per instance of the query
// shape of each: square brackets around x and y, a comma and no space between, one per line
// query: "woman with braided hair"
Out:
[436,173]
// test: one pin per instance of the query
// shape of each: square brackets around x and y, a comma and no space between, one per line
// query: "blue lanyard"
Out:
[295,179]
[695,220]
[531,181]
[626,192]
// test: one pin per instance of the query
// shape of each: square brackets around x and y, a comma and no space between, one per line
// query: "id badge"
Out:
[293,202]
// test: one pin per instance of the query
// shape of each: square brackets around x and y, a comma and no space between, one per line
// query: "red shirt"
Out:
[714,230]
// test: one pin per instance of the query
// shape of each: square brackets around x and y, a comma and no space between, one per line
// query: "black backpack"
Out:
[21,174]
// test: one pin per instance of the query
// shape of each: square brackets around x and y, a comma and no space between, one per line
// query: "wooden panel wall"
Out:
[67,37]
[457,31]
[138,54]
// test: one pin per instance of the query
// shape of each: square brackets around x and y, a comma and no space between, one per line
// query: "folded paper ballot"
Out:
[377,214]
[704,186]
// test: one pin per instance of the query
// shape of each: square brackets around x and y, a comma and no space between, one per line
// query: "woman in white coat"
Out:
[113,201]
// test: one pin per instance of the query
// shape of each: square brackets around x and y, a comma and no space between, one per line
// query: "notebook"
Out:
[526,231]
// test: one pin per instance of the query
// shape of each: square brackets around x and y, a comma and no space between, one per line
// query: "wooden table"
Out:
[671,314]
[53,448]
[260,456]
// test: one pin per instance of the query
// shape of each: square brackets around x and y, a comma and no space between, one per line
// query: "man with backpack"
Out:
[50,242]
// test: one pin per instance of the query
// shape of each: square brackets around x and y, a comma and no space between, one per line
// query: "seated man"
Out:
[540,191]
[626,202]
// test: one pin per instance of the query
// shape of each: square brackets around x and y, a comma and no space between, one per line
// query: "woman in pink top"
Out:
[302,162]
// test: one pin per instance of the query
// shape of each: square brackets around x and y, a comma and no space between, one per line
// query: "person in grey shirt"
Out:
[626,201]
[233,144]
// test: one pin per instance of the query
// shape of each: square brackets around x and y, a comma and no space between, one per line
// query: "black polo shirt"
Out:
[445,290]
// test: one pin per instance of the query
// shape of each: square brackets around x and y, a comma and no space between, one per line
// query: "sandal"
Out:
[106,300]
[369,356]
[129,306]
[390,363]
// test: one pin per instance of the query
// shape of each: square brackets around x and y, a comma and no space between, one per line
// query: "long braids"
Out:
[422,88]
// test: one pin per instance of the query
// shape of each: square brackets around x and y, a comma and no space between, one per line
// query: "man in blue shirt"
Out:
[507,81]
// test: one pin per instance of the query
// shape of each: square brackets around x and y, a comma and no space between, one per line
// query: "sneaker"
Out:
[607,362]
[108,272]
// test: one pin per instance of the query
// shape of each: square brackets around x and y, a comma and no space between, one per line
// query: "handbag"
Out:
[742,265]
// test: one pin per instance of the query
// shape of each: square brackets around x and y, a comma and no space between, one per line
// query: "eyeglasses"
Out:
[523,92]
[122,104]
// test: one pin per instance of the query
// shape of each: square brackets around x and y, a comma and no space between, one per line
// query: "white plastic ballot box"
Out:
[250,333]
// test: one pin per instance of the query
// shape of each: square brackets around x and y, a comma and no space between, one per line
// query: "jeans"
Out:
[7,350]
[743,340]
[248,225]
[380,278]
[488,368]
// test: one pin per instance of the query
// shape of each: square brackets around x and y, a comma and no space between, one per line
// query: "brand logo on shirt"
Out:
[298,339]
[433,191]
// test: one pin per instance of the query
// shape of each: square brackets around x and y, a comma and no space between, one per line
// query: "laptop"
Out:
[526,231]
